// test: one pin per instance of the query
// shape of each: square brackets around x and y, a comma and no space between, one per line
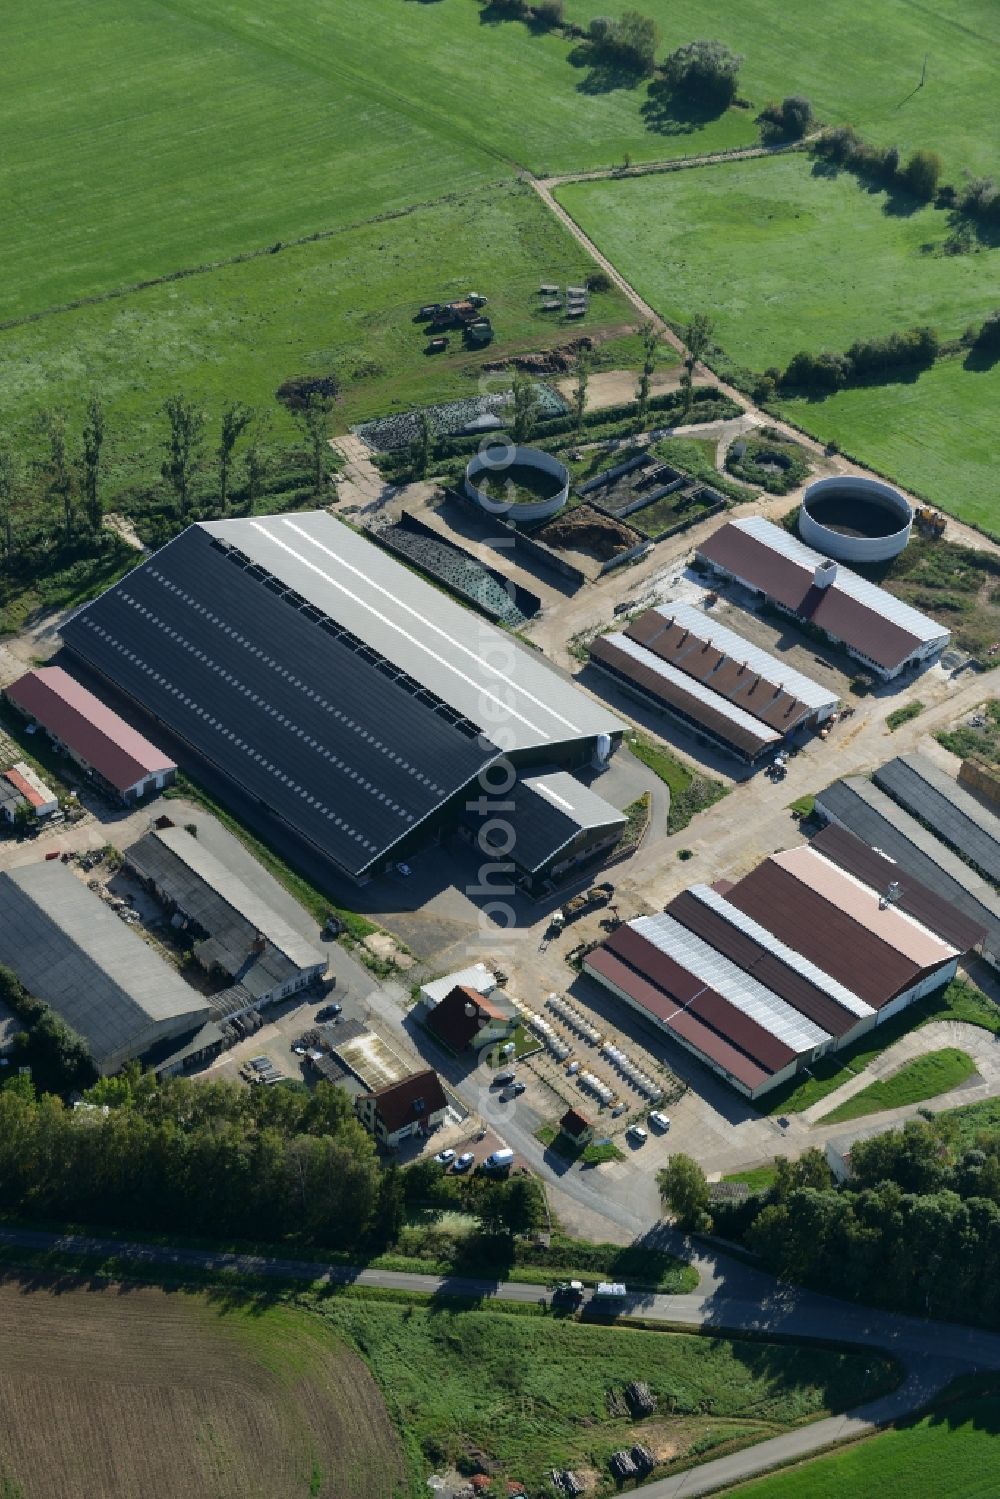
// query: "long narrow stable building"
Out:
[679,660]
[873,625]
[799,958]
[235,933]
[334,690]
[862,809]
[944,807]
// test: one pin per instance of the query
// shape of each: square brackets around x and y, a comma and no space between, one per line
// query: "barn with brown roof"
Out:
[872,624]
[802,956]
[101,743]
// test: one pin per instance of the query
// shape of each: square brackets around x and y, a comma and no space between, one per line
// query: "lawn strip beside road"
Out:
[925,1077]
[959,1001]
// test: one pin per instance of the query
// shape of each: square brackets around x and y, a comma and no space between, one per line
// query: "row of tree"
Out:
[68,471]
[704,72]
[920,175]
[915,348]
[916,1226]
[222,1161]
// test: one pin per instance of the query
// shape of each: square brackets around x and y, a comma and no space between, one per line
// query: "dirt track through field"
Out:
[120,1393]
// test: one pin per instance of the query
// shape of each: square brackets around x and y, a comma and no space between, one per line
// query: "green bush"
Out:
[922,174]
[705,71]
[899,716]
[787,121]
[630,42]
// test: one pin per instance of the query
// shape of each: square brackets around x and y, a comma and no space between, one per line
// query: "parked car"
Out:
[503,1079]
[445,1157]
[659,1121]
[464,1161]
[499,1160]
[329,1012]
[568,1290]
[636,1134]
[514,1090]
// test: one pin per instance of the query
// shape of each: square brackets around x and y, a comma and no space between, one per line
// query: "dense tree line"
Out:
[215,1160]
[915,348]
[916,1227]
[203,1158]
[919,175]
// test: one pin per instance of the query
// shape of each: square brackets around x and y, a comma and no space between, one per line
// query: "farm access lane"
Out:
[932,1354]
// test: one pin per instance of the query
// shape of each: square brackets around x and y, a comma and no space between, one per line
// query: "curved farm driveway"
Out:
[731,1297]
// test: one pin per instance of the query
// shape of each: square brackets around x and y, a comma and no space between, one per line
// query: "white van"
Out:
[498,1160]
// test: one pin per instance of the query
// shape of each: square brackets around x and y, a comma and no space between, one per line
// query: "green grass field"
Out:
[925,1077]
[947,1454]
[531,1390]
[144,136]
[345,303]
[860,64]
[935,435]
[783,257]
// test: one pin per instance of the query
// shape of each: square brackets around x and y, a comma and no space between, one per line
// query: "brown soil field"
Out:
[127,1393]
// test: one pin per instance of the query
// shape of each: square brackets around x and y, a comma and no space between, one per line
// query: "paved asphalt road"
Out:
[734,1297]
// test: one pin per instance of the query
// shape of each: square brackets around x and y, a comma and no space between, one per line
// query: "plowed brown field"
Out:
[120,1393]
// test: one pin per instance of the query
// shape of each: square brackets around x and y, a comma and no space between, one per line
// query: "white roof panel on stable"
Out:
[788,955]
[759,731]
[877,599]
[519,701]
[766,666]
[742,991]
[573,799]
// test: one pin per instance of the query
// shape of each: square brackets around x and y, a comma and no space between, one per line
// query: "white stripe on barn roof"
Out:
[716,972]
[517,699]
[696,689]
[869,594]
[751,928]
[587,809]
[762,662]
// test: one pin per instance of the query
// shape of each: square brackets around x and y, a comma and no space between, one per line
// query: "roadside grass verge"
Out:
[960,1000]
[593,1154]
[757,1178]
[690,792]
[924,1077]
[532,1392]
[946,1452]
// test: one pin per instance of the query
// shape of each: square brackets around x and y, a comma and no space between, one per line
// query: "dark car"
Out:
[329,1012]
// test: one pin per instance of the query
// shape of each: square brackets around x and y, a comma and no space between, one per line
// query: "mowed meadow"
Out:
[343,303]
[786,254]
[214,195]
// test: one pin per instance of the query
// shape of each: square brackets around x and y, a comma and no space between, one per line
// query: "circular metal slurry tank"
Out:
[855,519]
[516,482]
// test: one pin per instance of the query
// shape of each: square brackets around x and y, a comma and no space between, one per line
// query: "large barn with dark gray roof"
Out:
[328,683]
